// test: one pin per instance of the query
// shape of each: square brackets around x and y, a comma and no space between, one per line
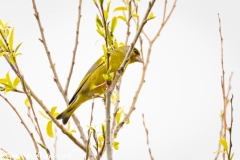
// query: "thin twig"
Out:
[135,98]
[24,124]
[75,119]
[60,126]
[230,130]
[224,120]
[146,130]
[75,47]
[89,130]
[55,143]
[8,155]
[43,40]
[37,126]
[129,6]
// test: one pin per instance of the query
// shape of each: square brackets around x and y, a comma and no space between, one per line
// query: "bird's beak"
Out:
[139,59]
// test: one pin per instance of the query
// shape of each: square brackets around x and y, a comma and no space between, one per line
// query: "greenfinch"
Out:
[93,83]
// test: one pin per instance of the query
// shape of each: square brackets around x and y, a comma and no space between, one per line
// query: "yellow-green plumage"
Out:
[92,83]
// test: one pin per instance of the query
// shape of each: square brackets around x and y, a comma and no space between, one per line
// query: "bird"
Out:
[93,84]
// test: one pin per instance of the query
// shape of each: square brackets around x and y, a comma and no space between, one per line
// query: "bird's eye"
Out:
[136,51]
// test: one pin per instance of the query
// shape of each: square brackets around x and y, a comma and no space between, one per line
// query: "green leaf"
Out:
[105,14]
[11,39]
[12,59]
[103,129]
[16,82]
[232,156]
[6,32]
[113,24]
[44,115]
[1,24]
[55,114]
[53,109]
[122,18]
[8,79]
[99,22]
[3,45]
[50,129]
[42,146]
[118,116]
[100,2]
[122,8]
[100,32]
[18,47]
[223,142]
[116,145]
[135,15]
[108,5]
[26,102]
[2,53]
[151,16]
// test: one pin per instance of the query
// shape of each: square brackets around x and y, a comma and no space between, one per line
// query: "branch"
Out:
[60,126]
[230,130]
[75,47]
[6,152]
[43,40]
[24,124]
[114,82]
[75,119]
[135,98]
[223,85]
[45,108]
[146,130]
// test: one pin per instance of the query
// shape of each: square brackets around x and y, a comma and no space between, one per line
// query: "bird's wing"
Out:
[97,64]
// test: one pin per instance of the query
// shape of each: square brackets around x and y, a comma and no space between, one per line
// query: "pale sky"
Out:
[182,95]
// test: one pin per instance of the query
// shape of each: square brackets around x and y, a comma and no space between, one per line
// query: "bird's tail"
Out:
[66,114]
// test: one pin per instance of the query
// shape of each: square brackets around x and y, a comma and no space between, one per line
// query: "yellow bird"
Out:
[93,84]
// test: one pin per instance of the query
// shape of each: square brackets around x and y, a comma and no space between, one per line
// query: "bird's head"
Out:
[135,55]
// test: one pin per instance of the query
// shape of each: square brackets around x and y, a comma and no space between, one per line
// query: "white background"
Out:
[182,96]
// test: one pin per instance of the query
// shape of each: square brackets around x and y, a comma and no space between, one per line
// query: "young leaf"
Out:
[11,39]
[53,109]
[8,79]
[18,47]
[44,147]
[50,129]
[12,59]
[16,82]
[113,24]
[122,18]
[99,22]
[151,16]
[105,14]
[1,24]
[118,116]
[108,5]
[116,145]
[100,2]
[44,115]
[223,142]
[3,45]
[2,53]
[100,32]
[135,15]
[232,156]
[26,102]
[122,8]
